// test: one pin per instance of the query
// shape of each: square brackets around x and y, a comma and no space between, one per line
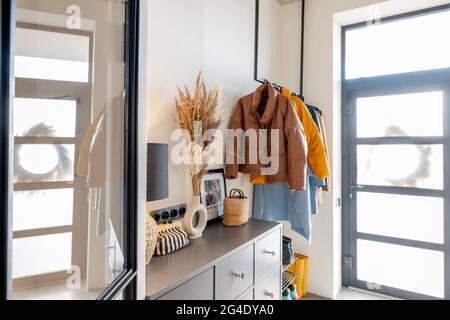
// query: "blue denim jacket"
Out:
[276,202]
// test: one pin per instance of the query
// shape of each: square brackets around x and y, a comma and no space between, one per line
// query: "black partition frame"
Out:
[7,21]
[389,84]
[126,282]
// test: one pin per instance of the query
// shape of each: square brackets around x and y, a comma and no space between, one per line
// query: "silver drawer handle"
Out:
[270,294]
[272,253]
[240,275]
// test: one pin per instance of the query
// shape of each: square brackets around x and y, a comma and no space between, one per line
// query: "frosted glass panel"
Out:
[416,166]
[43,163]
[41,255]
[51,69]
[401,115]
[51,45]
[44,118]
[398,216]
[416,270]
[42,209]
[408,45]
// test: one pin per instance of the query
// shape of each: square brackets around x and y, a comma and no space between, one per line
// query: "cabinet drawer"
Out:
[199,288]
[270,288]
[267,254]
[248,296]
[234,275]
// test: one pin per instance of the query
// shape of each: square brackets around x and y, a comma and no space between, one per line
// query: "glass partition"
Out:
[69,120]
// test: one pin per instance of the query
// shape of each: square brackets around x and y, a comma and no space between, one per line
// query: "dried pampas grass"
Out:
[197,114]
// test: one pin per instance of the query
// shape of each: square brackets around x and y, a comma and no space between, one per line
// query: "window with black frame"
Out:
[72,184]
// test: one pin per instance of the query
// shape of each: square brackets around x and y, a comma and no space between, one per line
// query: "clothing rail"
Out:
[278,88]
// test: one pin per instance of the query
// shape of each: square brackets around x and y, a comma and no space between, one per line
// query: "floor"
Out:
[54,292]
[352,294]
[60,292]
[349,294]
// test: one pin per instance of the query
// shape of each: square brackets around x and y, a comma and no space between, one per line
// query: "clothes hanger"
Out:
[318,111]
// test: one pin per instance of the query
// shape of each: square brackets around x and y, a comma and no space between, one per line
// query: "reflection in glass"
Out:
[69,134]
[42,255]
[32,211]
[31,41]
[411,269]
[398,216]
[46,55]
[406,45]
[401,115]
[43,163]
[51,69]
[57,117]
[415,166]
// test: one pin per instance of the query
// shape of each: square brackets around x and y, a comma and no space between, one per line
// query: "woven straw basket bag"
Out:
[151,237]
[236,209]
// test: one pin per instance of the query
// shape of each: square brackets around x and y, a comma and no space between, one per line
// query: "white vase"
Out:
[195,219]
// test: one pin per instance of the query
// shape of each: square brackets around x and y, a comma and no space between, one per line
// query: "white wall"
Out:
[279,42]
[270,41]
[290,38]
[214,36]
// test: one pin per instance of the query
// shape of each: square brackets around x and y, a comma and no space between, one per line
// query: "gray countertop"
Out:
[166,273]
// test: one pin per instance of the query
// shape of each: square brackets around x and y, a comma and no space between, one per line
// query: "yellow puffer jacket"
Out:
[317,157]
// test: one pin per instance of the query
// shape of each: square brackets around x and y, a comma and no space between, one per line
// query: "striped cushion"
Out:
[171,240]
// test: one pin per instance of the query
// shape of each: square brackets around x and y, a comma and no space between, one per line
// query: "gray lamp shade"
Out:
[157,172]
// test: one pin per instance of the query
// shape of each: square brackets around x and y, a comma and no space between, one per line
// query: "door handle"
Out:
[272,253]
[240,276]
[355,187]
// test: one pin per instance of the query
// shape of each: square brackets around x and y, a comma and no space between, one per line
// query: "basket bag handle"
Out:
[237,194]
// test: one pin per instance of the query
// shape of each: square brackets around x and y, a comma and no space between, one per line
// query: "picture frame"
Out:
[213,190]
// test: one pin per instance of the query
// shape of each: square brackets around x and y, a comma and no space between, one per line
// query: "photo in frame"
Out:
[213,192]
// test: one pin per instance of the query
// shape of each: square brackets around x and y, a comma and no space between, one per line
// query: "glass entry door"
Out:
[396,155]
[72,172]
[398,190]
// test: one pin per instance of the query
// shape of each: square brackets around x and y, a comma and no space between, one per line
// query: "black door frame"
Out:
[126,282]
[7,22]
[351,89]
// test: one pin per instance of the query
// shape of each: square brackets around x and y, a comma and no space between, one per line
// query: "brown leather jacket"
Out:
[277,113]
